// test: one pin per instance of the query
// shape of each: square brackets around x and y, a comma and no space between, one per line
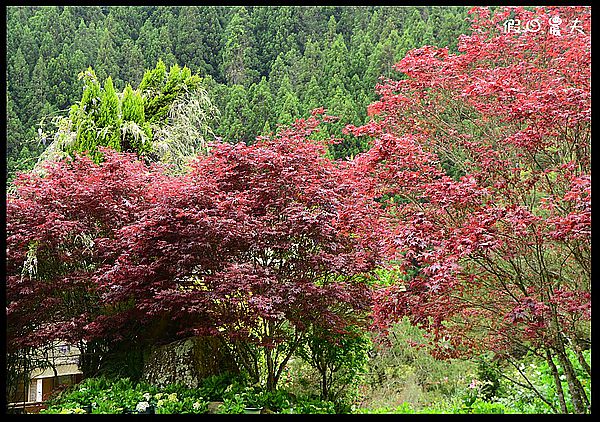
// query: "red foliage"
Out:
[58,221]
[485,155]
[272,231]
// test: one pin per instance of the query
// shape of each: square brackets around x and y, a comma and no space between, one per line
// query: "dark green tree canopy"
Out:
[341,47]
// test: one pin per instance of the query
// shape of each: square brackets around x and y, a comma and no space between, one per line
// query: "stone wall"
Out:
[187,362]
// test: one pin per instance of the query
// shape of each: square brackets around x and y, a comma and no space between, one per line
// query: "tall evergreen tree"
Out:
[236,118]
[160,88]
[261,106]
[312,96]
[106,58]
[135,132]
[336,64]
[109,121]
[311,62]
[189,46]
[131,62]
[287,105]
[239,62]
[14,127]
[39,90]
[278,71]
[64,88]
[18,83]
[66,24]
[86,41]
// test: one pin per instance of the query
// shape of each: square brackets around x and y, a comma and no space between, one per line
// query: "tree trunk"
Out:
[90,358]
[581,358]
[579,398]
[581,403]
[271,381]
[324,386]
[246,358]
[557,382]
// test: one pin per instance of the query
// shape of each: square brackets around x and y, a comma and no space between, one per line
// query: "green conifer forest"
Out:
[261,66]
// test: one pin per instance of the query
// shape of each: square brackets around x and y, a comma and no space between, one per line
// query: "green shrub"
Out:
[233,404]
[105,396]
[214,386]
[311,406]
[484,407]
[275,401]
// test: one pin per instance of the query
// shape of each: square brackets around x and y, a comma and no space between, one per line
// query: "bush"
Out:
[105,396]
[214,386]
[484,407]
[311,406]
[399,372]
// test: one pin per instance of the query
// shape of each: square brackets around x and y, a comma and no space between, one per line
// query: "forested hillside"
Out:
[262,66]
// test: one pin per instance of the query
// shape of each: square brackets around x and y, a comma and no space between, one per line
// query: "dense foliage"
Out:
[261,65]
[458,391]
[255,244]
[427,253]
[167,118]
[485,159]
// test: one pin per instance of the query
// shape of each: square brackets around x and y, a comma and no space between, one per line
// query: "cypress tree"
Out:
[238,64]
[109,120]
[261,109]
[135,131]
[235,120]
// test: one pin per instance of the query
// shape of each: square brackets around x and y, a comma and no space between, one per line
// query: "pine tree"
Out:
[312,96]
[39,90]
[331,33]
[287,105]
[189,46]
[238,65]
[387,52]
[66,24]
[311,62]
[261,108]
[374,27]
[235,120]
[415,28]
[146,42]
[131,62]
[342,106]
[336,65]
[279,70]
[212,30]
[18,83]
[274,29]
[106,58]
[130,19]
[86,41]
[64,88]
[359,49]
[292,59]
[14,127]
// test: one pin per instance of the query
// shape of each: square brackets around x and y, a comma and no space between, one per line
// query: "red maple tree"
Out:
[55,223]
[254,244]
[483,158]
